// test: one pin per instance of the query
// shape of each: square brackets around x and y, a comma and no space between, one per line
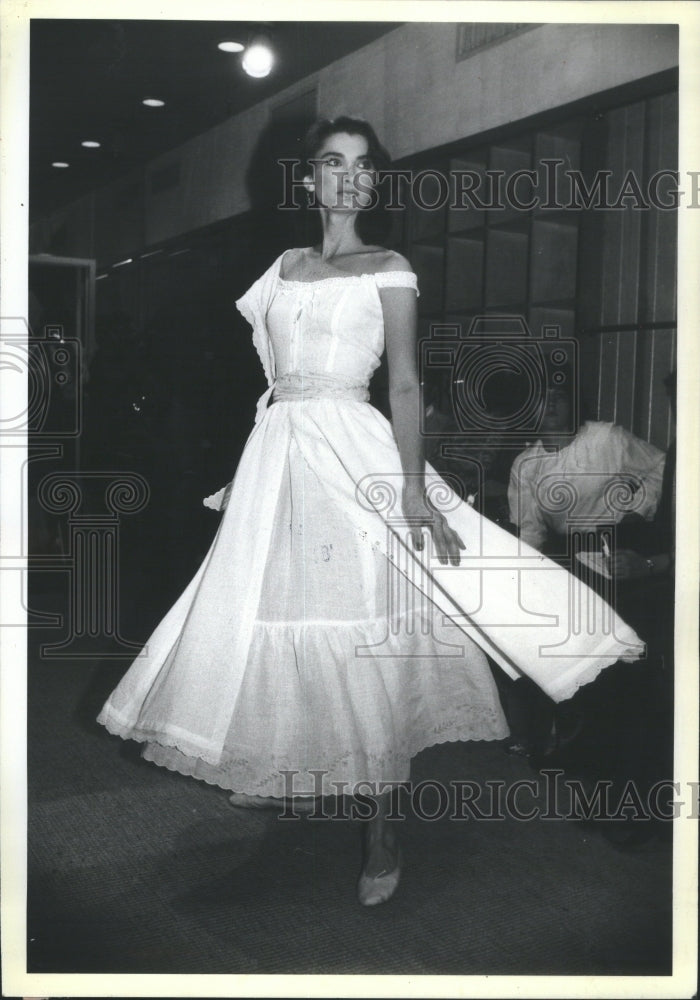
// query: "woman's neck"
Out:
[339,235]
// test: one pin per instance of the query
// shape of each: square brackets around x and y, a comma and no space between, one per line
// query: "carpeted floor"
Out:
[134,869]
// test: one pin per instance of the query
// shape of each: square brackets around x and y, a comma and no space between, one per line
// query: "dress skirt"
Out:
[315,639]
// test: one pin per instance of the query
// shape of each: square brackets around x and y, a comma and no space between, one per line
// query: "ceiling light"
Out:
[258,58]
[60,164]
[121,263]
[90,144]
[153,102]
[231,46]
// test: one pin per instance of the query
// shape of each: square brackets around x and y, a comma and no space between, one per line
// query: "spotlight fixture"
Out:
[153,102]
[90,144]
[60,164]
[258,58]
[231,46]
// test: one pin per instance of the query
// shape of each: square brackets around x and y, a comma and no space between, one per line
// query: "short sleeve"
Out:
[397,279]
[253,306]
[249,305]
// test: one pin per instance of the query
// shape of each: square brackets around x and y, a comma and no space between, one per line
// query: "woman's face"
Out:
[344,175]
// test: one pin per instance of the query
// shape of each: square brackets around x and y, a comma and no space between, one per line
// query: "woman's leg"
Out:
[381,862]
[380,839]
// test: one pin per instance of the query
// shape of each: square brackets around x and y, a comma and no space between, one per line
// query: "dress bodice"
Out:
[332,327]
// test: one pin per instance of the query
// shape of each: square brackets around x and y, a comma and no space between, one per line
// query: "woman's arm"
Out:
[629,565]
[400,331]
[644,462]
[525,511]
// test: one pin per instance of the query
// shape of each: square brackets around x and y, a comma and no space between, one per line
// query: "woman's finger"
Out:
[449,542]
[417,539]
[453,546]
[440,540]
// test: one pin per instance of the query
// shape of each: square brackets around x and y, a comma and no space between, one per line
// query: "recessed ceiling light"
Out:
[153,102]
[60,164]
[231,46]
[258,58]
[90,144]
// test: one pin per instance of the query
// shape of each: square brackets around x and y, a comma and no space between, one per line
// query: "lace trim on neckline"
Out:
[337,278]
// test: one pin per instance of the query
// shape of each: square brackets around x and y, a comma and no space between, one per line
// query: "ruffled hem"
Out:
[565,684]
[350,699]
[235,774]
[231,777]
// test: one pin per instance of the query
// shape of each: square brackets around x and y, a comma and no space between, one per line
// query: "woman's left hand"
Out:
[628,565]
[419,513]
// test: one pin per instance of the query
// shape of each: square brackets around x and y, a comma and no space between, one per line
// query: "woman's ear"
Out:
[309,183]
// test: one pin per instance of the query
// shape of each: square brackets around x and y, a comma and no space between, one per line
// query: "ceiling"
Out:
[89,77]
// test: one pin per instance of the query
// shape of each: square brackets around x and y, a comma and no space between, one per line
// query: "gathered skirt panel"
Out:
[352,704]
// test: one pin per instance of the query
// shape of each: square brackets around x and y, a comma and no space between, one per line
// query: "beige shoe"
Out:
[372,890]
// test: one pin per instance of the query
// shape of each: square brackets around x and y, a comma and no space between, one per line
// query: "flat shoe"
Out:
[300,804]
[372,890]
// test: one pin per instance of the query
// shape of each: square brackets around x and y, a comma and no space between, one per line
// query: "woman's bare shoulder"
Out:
[292,261]
[390,260]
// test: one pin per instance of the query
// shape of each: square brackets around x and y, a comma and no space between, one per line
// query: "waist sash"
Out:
[295,386]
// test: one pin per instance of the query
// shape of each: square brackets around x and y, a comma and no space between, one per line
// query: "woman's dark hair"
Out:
[325,127]
[374,224]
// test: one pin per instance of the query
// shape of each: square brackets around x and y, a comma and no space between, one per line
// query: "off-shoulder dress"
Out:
[314,639]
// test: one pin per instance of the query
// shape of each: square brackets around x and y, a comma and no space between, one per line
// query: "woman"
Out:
[312,652]
[609,473]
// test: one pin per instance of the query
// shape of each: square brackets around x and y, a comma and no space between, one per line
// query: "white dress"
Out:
[313,637]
